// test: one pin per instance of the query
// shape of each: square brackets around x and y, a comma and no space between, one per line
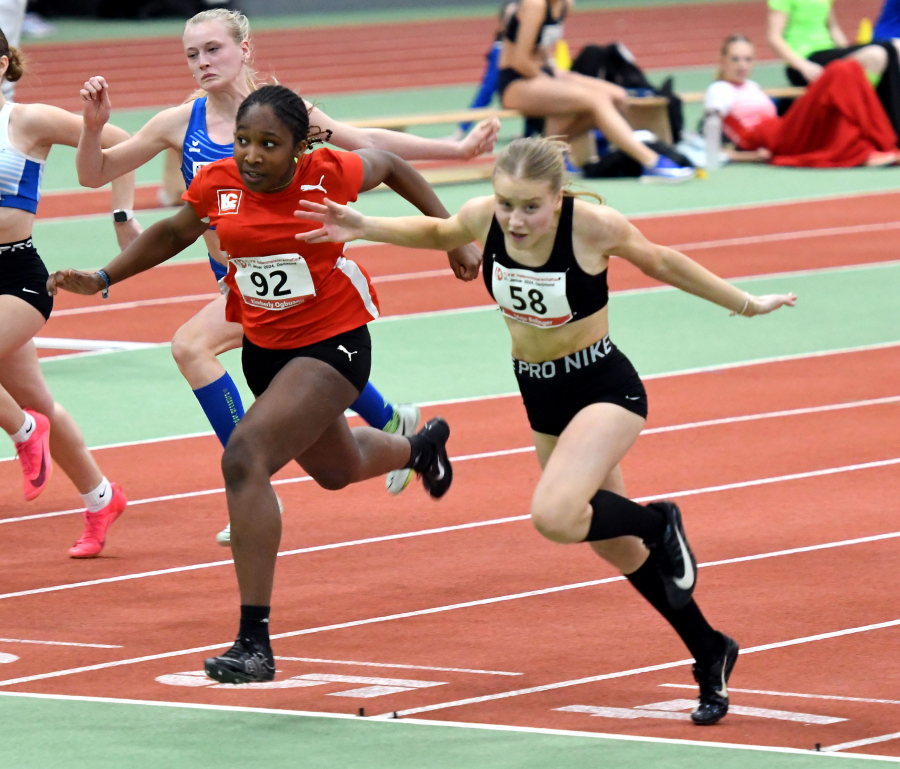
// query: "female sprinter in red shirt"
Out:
[307,350]
[545,261]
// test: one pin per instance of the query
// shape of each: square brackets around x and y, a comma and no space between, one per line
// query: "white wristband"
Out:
[121,215]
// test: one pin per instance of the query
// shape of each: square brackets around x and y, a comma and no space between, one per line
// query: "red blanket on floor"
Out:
[838,122]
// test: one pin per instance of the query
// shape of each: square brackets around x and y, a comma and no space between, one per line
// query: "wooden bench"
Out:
[644,112]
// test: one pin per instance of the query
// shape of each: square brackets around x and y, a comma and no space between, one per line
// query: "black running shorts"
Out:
[23,274]
[556,390]
[350,354]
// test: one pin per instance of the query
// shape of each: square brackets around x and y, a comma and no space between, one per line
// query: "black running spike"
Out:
[362,712]
[819,746]
[394,715]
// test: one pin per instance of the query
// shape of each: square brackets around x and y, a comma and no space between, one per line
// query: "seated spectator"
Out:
[807,36]
[838,122]
[573,104]
[888,24]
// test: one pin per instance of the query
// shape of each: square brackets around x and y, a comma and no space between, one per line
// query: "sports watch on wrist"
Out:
[121,215]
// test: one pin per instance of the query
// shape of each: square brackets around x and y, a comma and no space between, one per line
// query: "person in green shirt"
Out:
[807,36]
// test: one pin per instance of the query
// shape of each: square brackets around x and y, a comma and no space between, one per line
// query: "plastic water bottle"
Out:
[712,135]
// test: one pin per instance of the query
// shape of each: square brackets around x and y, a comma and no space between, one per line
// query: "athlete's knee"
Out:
[241,463]
[189,345]
[555,516]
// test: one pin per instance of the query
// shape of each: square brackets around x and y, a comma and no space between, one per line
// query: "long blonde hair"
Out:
[537,158]
[238,27]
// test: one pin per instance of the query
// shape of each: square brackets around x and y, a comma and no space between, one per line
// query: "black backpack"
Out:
[615,64]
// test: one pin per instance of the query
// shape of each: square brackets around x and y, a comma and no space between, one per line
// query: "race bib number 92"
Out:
[276,282]
[536,298]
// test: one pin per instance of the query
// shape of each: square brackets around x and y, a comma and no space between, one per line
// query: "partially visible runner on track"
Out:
[40,428]
[218,50]
[307,350]
[545,263]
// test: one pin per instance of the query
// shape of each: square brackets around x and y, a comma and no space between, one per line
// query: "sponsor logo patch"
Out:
[229,201]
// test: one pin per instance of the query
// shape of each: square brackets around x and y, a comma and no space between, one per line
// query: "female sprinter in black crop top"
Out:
[545,262]
[573,104]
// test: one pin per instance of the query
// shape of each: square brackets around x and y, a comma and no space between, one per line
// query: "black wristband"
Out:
[105,278]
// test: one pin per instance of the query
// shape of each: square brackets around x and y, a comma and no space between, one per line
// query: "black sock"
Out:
[421,453]
[255,623]
[616,516]
[701,640]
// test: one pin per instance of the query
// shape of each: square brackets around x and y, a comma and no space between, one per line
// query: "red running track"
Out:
[549,638]
[152,72]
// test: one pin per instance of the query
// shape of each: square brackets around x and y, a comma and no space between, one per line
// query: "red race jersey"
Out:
[285,293]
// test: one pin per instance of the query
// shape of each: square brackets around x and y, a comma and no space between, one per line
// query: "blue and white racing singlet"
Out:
[199,150]
[20,175]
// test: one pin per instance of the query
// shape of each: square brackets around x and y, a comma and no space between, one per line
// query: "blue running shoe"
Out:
[667,171]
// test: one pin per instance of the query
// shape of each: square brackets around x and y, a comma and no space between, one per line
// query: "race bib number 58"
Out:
[273,282]
[536,298]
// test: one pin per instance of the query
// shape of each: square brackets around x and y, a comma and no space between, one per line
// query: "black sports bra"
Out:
[550,33]
[550,295]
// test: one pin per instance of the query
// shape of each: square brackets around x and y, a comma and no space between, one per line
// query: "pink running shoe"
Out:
[96,524]
[34,455]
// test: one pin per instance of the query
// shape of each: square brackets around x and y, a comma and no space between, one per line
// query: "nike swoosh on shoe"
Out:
[685,582]
[41,476]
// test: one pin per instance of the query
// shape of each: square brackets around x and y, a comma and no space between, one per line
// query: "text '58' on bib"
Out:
[536,298]
[276,282]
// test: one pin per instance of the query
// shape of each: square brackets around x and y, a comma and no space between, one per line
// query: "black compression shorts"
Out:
[556,390]
[23,275]
[350,354]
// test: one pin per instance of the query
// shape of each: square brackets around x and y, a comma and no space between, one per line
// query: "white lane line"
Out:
[137,303]
[58,643]
[675,706]
[59,343]
[824,232]
[102,351]
[412,276]
[521,450]
[639,671]
[862,743]
[496,522]
[793,694]
[479,398]
[447,724]
[467,605]
[6,659]
[398,666]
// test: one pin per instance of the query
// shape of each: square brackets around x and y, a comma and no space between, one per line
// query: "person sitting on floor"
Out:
[838,122]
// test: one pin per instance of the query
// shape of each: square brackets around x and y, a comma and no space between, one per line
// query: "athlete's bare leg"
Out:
[197,343]
[300,416]
[583,460]
[22,385]
[550,97]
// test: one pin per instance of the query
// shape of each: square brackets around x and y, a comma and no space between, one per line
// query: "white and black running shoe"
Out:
[247,662]
[437,475]
[674,558]
[713,681]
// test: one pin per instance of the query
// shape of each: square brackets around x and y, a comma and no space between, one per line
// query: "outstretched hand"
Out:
[76,282]
[340,224]
[763,305]
[95,103]
[481,138]
[465,261]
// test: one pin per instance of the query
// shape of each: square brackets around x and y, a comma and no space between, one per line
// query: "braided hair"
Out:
[290,109]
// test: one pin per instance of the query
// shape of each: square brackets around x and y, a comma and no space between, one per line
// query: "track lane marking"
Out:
[398,666]
[485,602]
[646,669]
[449,724]
[524,449]
[793,694]
[495,522]
[58,643]
[861,743]
[447,272]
